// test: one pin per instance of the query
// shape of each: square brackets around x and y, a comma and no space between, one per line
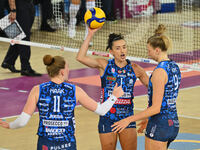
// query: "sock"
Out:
[90,4]
[73,9]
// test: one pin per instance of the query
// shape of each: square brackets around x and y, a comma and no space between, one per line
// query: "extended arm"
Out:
[28,110]
[92,105]
[82,54]
[141,74]
[159,79]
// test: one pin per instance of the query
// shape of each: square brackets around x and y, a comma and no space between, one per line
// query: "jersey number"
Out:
[56,104]
[176,83]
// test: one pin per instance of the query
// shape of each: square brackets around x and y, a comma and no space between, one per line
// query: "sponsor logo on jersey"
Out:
[121,75]
[123,111]
[126,95]
[68,105]
[45,99]
[110,78]
[69,100]
[170,122]
[53,123]
[43,104]
[153,129]
[63,146]
[171,101]
[54,130]
[131,81]
[44,110]
[57,91]
[112,110]
[56,116]
[130,74]
[123,101]
[68,86]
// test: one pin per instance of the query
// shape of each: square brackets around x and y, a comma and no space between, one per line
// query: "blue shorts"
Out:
[105,124]
[162,130]
[45,144]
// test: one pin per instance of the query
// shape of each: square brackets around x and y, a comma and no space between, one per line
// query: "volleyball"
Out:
[95,17]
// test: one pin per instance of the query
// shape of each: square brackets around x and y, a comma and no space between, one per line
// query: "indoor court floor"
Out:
[14,90]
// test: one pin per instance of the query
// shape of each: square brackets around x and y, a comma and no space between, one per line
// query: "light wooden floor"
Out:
[86,122]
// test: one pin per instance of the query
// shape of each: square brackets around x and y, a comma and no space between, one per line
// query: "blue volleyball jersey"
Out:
[168,110]
[56,110]
[126,77]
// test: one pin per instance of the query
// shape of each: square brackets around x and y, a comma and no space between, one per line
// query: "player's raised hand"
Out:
[4,124]
[90,30]
[118,91]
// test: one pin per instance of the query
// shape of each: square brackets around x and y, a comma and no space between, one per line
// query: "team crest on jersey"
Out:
[113,70]
[119,71]
[131,81]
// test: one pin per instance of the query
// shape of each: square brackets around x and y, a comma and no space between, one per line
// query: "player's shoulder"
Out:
[35,89]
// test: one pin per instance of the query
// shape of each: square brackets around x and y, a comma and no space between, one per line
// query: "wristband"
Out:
[103,108]
[21,121]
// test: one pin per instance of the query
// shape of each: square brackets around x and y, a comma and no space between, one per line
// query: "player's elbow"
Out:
[78,58]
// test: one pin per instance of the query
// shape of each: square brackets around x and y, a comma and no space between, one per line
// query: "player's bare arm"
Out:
[87,60]
[141,74]
[32,100]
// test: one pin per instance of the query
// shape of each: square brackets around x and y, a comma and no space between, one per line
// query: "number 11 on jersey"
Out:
[56,104]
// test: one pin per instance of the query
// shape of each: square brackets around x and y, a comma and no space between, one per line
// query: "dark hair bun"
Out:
[48,60]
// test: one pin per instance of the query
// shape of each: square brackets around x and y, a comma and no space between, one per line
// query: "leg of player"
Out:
[128,139]
[73,9]
[89,4]
[108,140]
[151,144]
